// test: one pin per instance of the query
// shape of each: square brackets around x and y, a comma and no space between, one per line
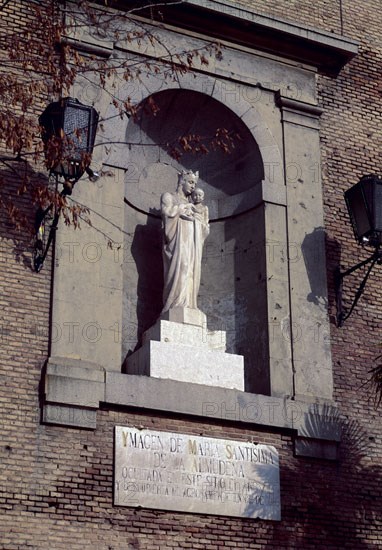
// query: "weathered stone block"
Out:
[71,383]
[187,364]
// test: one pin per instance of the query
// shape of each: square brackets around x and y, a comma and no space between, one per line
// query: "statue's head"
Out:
[187,181]
[197,195]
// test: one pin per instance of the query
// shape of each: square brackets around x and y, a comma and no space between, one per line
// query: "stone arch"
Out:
[227,177]
[214,88]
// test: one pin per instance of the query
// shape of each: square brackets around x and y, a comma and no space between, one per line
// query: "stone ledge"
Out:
[318,425]
[73,401]
[310,420]
[196,400]
[104,50]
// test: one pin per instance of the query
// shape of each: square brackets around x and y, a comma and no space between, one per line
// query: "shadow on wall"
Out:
[313,252]
[19,199]
[331,505]
[317,249]
[146,250]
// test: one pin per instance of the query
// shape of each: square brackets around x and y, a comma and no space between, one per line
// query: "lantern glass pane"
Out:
[76,124]
[358,212]
[377,206]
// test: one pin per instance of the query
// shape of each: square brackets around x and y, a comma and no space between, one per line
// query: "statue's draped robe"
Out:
[182,258]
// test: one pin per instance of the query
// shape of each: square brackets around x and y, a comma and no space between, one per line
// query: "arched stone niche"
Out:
[276,314]
[233,291]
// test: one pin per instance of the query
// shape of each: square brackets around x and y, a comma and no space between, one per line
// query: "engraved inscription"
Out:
[202,475]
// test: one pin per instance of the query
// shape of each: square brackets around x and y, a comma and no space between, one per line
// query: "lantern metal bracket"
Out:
[46,227]
[46,222]
[339,276]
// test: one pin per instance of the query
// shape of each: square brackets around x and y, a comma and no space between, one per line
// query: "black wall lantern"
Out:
[68,130]
[364,203]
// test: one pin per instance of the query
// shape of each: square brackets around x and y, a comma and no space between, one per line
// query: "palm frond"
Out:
[376,381]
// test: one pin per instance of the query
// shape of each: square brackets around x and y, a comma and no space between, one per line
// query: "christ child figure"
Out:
[199,209]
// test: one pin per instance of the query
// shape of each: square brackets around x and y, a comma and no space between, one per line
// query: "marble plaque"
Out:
[171,471]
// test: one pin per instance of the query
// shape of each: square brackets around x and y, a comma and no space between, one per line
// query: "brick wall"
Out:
[56,483]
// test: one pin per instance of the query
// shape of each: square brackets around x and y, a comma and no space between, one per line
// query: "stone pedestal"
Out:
[187,352]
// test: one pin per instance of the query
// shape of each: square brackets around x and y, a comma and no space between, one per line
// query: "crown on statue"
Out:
[186,175]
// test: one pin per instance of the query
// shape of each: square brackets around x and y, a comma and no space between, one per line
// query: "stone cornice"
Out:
[226,20]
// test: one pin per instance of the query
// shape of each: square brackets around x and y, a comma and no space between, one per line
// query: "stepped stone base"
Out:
[188,353]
